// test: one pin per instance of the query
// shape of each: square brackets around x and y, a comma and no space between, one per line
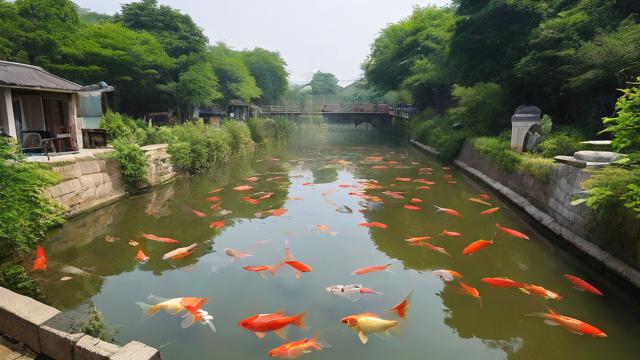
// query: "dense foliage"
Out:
[157,58]
[133,162]
[323,83]
[15,278]
[25,215]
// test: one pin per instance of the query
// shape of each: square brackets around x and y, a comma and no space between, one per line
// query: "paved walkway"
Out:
[10,351]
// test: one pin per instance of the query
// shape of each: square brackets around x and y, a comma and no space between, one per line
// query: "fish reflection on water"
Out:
[374,205]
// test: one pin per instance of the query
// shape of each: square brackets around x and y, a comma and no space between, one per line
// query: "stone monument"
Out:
[525,127]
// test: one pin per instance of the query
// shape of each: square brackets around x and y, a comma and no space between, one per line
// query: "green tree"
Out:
[197,86]
[480,107]
[268,69]
[233,75]
[177,32]
[324,84]
[625,126]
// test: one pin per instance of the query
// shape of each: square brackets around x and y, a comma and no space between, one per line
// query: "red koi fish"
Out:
[243,188]
[262,323]
[216,206]
[213,199]
[539,291]
[403,179]
[368,269]
[265,196]
[448,211]
[475,246]
[165,240]
[374,224]
[198,213]
[417,239]
[501,282]
[40,262]
[278,212]
[412,207]
[484,196]
[512,232]
[450,233]
[490,211]
[573,325]
[582,285]
[415,201]
[217,224]
[403,307]
[470,291]
[295,349]
[250,200]
[298,266]
[141,257]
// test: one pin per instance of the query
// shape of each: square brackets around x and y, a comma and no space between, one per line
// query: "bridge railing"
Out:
[404,111]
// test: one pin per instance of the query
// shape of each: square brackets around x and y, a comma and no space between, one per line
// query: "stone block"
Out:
[67,172]
[57,344]
[21,317]
[597,156]
[66,187]
[90,348]
[91,180]
[135,350]
[569,160]
[90,167]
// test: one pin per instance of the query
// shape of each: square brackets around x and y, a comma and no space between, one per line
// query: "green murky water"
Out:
[442,324]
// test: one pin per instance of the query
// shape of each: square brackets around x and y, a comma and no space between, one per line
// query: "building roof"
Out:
[33,77]
[237,102]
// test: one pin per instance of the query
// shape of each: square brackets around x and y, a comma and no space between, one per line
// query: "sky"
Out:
[327,35]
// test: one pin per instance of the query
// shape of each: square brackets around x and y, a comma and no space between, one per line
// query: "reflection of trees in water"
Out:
[166,211]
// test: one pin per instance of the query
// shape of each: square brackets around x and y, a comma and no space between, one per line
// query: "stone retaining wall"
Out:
[90,181]
[45,331]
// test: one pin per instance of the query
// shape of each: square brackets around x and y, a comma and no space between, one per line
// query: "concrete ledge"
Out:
[424,147]
[45,330]
[607,260]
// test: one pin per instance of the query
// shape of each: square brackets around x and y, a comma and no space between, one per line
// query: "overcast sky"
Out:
[328,35]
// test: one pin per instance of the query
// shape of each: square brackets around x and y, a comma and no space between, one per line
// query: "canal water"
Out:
[318,178]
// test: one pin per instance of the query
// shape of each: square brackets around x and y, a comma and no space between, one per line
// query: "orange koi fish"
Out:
[368,269]
[141,257]
[424,181]
[250,200]
[368,323]
[450,233]
[539,291]
[448,211]
[180,253]
[165,240]
[471,291]
[374,224]
[447,275]
[512,232]
[417,239]
[298,266]
[403,307]
[213,199]
[484,196]
[40,262]
[573,325]
[416,201]
[423,188]
[582,285]
[215,191]
[258,269]
[262,323]
[243,188]
[479,201]
[236,254]
[430,246]
[501,282]
[198,213]
[403,179]
[265,196]
[412,207]
[490,211]
[251,179]
[475,246]
[216,206]
[172,306]
[295,349]
[217,224]
[278,212]
[393,194]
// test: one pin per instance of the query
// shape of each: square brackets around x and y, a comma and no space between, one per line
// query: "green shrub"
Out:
[25,215]
[256,126]
[195,147]
[94,326]
[120,126]
[560,143]
[239,136]
[284,127]
[500,152]
[133,163]
[625,126]
[539,167]
[480,108]
[547,125]
[16,279]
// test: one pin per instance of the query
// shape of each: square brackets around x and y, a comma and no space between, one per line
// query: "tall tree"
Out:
[324,83]
[268,68]
[233,75]
[197,86]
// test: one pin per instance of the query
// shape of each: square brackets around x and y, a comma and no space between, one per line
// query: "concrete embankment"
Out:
[548,203]
[93,180]
[47,331]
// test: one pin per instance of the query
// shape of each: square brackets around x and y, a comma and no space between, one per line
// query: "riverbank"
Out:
[548,203]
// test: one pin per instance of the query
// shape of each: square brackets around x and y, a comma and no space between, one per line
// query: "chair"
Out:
[32,142]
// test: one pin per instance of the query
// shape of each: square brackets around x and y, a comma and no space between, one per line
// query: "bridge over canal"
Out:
[340,109]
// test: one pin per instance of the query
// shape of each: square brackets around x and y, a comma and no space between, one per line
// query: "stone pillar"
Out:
[7,121]
[524,117]
[75,122]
